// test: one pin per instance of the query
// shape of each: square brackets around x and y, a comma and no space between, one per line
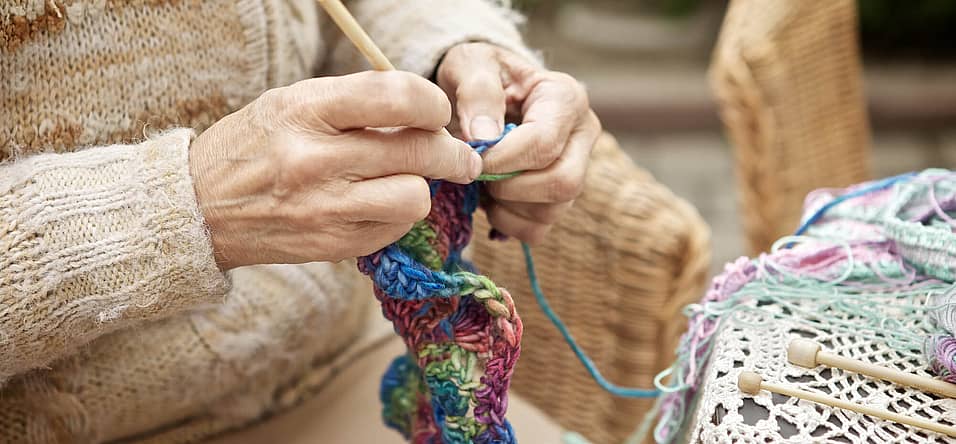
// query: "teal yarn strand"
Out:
[625,392]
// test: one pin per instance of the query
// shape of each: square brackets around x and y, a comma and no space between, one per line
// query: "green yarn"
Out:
[403,406]
[418,244]
[494,177]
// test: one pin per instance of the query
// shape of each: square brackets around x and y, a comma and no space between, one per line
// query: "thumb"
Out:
[472,73]
[481,104]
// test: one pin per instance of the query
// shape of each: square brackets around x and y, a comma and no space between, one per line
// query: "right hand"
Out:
[325,169]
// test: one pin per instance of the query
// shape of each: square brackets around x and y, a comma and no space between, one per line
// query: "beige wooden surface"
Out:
[347,411]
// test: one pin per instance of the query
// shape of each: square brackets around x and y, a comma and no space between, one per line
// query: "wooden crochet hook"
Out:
[808,354]
[752,383]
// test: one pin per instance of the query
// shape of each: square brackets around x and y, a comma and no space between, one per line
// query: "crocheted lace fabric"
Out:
[872,280]
[723,414]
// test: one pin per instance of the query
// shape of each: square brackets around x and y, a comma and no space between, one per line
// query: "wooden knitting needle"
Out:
[351,28]
[354,32]
[806,353]
[752,383]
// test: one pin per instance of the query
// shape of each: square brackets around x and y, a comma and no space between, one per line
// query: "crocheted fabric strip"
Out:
[462,332]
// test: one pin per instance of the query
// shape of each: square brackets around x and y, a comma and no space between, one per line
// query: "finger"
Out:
[514,225]
[552,110]
[371,99]
[361,238]
[479,93]
[561,181]
[375,153]
[402,198]
[545,213]
[376,236]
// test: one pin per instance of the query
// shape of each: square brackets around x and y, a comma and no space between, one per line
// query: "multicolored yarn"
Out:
[462,331]
[884,242]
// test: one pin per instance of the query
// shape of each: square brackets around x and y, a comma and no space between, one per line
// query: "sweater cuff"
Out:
[415,35]
[110,234]
[97,240]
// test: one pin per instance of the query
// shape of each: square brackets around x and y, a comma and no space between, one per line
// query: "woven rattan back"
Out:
[787,76]
[618,269]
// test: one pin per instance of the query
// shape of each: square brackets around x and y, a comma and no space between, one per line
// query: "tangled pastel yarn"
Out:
[876,261]
[462,331]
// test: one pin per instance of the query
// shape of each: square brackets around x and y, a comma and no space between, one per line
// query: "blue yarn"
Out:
[400,275]
[497,434]
[481,146]
[624,392]
[396,374]
[875,186]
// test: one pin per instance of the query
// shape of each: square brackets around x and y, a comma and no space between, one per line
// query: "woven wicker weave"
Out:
[787,76]
[618,269]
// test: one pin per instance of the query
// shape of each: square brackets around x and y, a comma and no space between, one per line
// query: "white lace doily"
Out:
[724,414]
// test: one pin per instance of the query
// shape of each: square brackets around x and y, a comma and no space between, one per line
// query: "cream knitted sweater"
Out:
[115,323]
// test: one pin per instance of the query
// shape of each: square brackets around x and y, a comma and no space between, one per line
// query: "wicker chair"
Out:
[787,76]
[618,269]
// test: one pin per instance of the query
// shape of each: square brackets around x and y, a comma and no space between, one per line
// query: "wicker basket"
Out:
[618,269]
[787,76]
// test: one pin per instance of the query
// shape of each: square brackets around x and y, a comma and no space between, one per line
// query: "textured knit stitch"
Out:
[462,331]
[115,323]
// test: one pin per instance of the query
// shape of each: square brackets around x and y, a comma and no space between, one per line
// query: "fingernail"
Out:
[484,128]
[476,165]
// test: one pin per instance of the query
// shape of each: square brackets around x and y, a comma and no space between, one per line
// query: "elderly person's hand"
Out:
[551,146]
[309,173]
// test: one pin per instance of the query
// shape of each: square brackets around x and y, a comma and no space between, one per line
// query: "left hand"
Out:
[551,146]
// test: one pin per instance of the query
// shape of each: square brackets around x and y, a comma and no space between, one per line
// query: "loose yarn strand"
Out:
[569,339]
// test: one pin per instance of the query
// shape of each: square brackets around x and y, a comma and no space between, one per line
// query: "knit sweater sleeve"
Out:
[97,240]
[415,34]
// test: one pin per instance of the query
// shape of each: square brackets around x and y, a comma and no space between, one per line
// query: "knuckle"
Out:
[274,96]
[595,122]
[550,214]
[565,188]
[290,159]
[575,90]
[544,150]
[564,78]
[460,161]
[273,101]
[583,100]
[400,85]
[416,155]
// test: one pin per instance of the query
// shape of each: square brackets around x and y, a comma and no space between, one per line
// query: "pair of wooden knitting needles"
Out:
[808,354]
